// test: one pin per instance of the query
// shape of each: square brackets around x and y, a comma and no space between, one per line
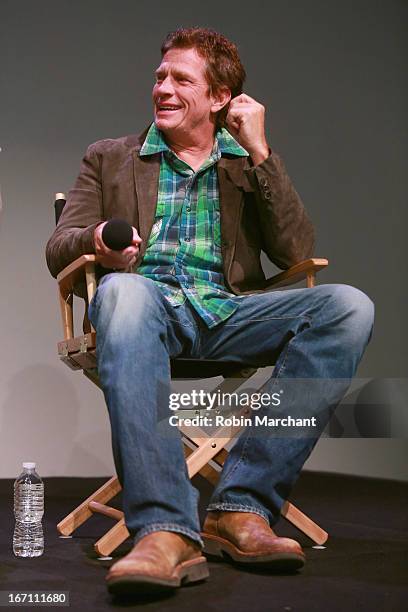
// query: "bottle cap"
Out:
[29,465]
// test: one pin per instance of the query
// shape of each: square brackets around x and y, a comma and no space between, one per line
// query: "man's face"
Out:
[181,99]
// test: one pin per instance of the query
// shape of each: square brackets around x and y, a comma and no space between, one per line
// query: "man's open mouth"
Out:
[167,108]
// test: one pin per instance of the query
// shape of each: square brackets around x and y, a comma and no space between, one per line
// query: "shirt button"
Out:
[187,238]
[188,209]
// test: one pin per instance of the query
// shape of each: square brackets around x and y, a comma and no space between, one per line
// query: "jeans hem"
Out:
[230,507]
[174,527]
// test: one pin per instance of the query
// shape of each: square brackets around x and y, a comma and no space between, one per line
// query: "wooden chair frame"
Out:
[205,455]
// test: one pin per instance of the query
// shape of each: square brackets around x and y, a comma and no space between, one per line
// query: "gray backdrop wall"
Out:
[332,77]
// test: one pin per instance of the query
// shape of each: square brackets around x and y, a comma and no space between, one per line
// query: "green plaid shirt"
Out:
[183,254]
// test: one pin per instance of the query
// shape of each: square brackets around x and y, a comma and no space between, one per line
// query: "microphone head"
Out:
[117,234]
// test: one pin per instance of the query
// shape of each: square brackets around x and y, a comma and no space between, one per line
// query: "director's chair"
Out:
[205,454]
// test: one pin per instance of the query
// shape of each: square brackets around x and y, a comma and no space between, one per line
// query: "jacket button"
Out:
[267,194]
[263,182]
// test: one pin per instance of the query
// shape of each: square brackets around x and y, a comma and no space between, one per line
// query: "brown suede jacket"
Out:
[260,210]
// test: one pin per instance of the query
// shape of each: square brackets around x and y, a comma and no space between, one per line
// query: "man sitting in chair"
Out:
[204,194]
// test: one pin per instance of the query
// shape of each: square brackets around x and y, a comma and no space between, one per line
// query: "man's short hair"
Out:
[223,65]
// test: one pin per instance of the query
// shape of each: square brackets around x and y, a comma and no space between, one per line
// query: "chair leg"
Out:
[204,453]
[83,512]
[112,539]
[304,523]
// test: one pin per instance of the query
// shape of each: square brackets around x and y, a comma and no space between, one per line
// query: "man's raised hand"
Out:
[246,122]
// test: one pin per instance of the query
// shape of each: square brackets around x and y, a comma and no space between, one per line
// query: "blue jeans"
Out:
[318,333]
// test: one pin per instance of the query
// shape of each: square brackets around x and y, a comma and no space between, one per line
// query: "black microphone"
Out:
[59,203]
[117,234]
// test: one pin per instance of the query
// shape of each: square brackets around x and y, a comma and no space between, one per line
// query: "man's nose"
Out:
[165,86]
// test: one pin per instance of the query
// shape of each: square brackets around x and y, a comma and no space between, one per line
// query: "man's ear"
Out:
[220,98]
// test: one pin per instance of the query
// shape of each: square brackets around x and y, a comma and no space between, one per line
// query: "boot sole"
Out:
[215,546]
[187,572]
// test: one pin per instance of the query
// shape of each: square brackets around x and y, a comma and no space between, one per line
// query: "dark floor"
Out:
[363,567]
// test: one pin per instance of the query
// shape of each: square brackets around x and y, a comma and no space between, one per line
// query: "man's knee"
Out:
[122,296]
[121,285]
[352,307]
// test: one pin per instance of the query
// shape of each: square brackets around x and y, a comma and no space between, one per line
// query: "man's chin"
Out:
[165,125]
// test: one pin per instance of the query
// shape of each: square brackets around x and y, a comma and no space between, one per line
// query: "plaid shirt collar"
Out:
[224,143]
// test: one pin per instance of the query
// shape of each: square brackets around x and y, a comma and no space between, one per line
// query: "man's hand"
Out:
[116,260]
[246,122]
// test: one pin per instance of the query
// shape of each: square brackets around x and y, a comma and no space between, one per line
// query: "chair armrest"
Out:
[82,267]
[74,273]
[304,269]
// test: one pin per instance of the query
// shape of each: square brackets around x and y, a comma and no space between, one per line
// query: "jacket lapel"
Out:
[230,172]
[146,173]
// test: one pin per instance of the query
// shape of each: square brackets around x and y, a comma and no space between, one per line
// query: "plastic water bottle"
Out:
[28,538]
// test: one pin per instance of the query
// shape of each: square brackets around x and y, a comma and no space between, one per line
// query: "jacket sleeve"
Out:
[82,212]
[287,232]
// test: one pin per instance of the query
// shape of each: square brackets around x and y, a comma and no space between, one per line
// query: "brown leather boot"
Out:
[161,561]
[246,537]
